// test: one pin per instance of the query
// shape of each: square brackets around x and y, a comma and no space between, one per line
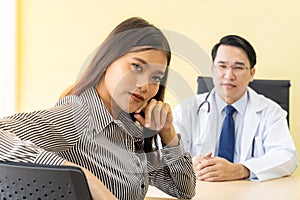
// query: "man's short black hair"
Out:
[236,41]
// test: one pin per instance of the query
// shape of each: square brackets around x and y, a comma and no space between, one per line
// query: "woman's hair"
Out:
[132,35]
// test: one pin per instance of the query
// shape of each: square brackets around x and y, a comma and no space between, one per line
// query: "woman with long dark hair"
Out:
[113,122]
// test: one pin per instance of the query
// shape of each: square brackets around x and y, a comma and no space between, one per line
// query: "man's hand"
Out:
[208,168]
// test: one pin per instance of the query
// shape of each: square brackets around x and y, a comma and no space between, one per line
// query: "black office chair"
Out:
[277,90]
[19,181]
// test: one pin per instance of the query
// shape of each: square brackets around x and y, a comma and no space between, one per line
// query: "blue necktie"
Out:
[227,140]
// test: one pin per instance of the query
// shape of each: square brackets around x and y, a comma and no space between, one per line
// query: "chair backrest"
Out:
[33,181]
[277,90]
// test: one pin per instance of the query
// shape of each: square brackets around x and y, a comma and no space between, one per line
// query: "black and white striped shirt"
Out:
[81,130]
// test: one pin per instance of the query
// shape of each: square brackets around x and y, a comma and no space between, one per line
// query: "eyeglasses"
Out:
[237,69]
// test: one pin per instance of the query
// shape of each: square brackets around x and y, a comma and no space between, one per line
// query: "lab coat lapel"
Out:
[251,122]
[207,129]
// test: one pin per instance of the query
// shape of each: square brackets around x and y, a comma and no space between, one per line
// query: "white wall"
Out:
[7,56]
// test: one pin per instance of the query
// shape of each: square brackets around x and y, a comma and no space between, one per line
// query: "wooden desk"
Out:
[287,188]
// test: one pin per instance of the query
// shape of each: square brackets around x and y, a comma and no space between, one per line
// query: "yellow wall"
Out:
[56,36]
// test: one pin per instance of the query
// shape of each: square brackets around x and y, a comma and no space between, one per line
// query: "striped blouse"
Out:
[81,130]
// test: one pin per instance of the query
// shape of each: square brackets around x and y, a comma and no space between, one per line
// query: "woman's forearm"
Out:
[97,188]
[169,137]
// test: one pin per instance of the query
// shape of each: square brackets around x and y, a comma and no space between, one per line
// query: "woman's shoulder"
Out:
[72,100]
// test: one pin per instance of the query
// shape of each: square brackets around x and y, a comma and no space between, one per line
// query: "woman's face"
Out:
[131,80]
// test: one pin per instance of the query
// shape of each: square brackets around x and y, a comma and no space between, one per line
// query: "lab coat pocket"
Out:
[197,145]
[257,148]
[203,145]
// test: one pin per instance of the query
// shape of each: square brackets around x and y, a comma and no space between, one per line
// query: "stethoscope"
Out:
[205,102]
[208,110]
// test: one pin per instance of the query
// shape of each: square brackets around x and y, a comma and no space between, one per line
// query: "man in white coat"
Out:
[263,147]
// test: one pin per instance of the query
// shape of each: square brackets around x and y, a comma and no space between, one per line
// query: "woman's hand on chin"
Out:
[158,116]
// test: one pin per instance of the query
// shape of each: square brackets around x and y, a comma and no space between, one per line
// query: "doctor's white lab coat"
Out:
[266,147]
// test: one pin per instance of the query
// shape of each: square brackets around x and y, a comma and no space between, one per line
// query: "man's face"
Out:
[231,73]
